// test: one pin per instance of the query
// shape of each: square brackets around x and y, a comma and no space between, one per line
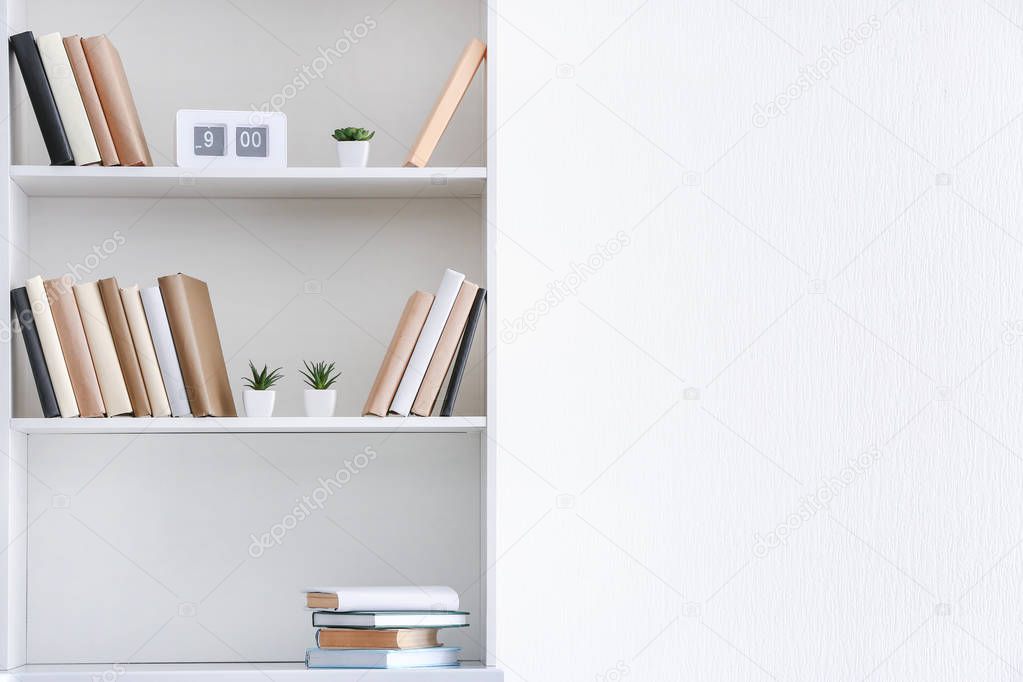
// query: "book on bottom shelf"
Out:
[37,362]
[350,638]
[442,656]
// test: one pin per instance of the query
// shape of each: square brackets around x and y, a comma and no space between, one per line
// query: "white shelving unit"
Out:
[20,434]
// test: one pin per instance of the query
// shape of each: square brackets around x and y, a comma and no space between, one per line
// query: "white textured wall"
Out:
[789,293]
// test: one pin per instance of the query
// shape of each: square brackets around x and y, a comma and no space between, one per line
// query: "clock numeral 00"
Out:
[251,141]
[250,138]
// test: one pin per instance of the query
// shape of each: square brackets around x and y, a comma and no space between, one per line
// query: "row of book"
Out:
[383,627]
[434,335]
[99,350]
[82,101]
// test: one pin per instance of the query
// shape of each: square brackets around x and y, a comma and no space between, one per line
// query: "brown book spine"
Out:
[197,342]
[454,90]
[445,351]
[117,101]
[345,638]
[398,353]
[60,294]
[93,108]
[124,347]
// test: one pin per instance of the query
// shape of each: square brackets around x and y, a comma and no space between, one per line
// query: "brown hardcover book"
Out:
[444,109]
[73,344]
[197,342]
[342,638]
[93,108]
[118,104]
[124,347]
[398,353]
[444,353]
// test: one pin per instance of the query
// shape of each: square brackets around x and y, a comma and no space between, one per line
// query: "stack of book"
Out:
[383,627]
[98,350]
[82,101]
[431,329]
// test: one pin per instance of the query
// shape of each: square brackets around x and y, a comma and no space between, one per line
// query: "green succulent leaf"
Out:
[319,375]
[264,379]
[353,134]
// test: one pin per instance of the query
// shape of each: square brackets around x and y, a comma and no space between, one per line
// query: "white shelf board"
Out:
[133,425]
[243,672]
[171,182]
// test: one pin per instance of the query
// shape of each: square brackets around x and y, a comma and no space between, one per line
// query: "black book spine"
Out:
[22,309]
[463,354]
[45,107]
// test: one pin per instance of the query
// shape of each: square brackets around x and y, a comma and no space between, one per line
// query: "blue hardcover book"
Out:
[433,657]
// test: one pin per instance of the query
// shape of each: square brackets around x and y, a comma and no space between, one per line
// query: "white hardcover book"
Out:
[430,657]
[392,598]
[101,346]
[427,343]
[166,355]
[131,298]
[69,99]
[55,364]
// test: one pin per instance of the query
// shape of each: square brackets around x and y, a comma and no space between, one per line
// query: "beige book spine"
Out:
[454,90]
[118,103]
[101,347]
[55,363]
[445,352]
[117,320]
[74,346]
[197,341]
[398,353]
[90,98]
[131,297]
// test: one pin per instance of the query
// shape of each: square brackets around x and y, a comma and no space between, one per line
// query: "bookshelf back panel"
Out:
[378,64]
[290,279]
[145,549]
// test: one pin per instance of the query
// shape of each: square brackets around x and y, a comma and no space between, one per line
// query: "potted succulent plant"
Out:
[353,146]
[258,397]
[320,398]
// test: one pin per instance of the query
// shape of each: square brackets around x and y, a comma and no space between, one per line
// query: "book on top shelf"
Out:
[68,99]
[387,598]
[43,104]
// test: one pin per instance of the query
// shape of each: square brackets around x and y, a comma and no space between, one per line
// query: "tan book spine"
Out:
[344,638]
[445,351]
[74,346]
[101,346]
[197,341]
[90,98]
[454,90]
[118,104]
[124,347]
[398,353]
[48,339]
[141,338]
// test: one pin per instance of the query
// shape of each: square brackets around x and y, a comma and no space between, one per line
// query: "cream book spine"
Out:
[55,363]
[131,297]
[101,346]
[427,343]
[166,354]
[69,99]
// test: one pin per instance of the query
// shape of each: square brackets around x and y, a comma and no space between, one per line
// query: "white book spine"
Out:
[166,355]
[427,343]
[131,298]
[55,363]
[396,598]
[101,346]
[69,99]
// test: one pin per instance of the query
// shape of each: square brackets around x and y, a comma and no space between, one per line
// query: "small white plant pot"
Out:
[259,403]
[320,403]
[352,154]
